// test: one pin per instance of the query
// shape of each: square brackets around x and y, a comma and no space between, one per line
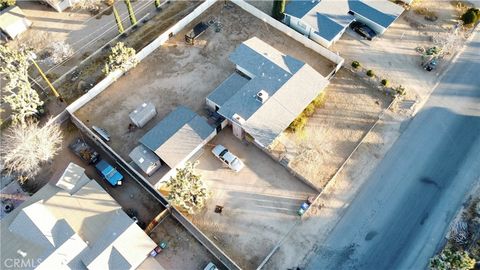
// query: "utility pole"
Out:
[55,93]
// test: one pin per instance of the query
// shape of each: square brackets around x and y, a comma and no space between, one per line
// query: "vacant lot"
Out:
[260,201]
[351,107]
[178,74]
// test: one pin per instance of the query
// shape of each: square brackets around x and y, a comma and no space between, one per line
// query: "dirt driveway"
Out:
[260,202]
[178,74]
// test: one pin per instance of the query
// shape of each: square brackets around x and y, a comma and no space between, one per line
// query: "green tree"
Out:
[121,58]
[187,189]
[278,11]
[24,148]
[17,92]
[157,3]
[131,14]
[452,260]
[471,16]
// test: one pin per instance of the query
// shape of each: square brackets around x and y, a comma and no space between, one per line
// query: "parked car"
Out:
[430,65]
[228,158]
[210,266]
[363,30]
[109,173]
[84,151]
[102,132]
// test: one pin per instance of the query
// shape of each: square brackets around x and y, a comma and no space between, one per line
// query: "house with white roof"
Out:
[267,92]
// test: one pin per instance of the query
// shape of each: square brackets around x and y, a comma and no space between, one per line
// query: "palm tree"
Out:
[117,19]
[131,14]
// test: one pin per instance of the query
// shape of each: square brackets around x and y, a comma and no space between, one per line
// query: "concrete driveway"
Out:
[260,202]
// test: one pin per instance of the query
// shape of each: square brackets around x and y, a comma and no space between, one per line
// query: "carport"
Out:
[180,135]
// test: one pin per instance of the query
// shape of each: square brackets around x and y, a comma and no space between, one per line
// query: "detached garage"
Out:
[178,137]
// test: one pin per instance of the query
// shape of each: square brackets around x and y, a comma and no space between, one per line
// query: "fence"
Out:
[147,50]
[335,58]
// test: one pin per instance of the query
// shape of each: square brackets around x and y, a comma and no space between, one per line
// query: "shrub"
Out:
[471,16]
[450,259]
[384,82]
[309,110]
[370,73]
[299,123]
[355,64]
[278,10]
[319,101]
[400,90]
[121,58]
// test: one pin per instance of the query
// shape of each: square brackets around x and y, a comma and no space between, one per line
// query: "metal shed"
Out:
[142,114]
[145,159]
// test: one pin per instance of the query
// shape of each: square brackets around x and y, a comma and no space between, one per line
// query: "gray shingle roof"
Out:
[227,89]
[290,84]
[177,135]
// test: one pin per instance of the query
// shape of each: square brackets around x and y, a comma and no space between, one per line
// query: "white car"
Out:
[228,158]
[210,266]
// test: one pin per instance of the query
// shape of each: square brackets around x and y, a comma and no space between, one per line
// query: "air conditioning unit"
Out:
[262,96]
[238,119]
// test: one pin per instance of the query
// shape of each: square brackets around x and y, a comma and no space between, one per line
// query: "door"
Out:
[237,131]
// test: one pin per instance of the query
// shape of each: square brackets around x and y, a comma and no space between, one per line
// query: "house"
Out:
[267,92]
[13,22]
[72,224]
[179,136]
[325,21]
[61,5]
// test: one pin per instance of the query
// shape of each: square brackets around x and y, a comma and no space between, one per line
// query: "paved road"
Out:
[400,215]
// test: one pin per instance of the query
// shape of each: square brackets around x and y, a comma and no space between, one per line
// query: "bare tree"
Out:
[17,92]
[187,189]
[24,148]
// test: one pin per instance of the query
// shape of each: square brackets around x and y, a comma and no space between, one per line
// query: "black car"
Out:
[363,30]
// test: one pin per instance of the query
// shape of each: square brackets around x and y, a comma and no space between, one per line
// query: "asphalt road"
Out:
[399,217]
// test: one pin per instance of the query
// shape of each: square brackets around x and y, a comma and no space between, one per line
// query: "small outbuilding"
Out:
[145,159]
[142,114]
[13,22]
[178,137]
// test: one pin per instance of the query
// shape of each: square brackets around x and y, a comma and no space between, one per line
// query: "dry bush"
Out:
[24,148]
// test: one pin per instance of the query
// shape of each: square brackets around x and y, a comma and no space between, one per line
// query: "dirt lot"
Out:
[393,55]
[260,202]
[351,107]
[177,74]
[183,251]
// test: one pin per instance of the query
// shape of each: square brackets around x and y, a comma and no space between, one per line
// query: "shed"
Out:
[142,114]
[145,159]
[180,135]
[13,22]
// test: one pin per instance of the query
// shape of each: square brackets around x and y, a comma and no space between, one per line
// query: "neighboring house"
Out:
[179,136]
[13,22]
[61,5]
[73,224]
[325,21]
[269,91]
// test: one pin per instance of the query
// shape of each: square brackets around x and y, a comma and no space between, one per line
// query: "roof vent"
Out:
[238,119]
[262,96]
